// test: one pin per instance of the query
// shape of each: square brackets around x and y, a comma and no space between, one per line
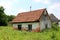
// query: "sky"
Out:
[13,7]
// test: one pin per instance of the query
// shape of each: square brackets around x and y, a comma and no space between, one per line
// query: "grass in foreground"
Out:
[7,33]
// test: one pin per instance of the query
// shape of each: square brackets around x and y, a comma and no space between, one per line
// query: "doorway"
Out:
[19,27]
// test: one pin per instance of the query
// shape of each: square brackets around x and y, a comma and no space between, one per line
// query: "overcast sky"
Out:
[13,7]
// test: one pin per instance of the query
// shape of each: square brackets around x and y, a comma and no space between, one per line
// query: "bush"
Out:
[55,26]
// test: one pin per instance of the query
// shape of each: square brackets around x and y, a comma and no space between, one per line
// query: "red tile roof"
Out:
[28,16]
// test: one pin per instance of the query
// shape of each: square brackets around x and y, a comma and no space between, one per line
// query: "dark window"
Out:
[46,26]
[29,27]
[19,27]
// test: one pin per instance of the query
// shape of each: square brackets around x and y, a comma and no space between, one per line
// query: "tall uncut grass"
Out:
[7,33]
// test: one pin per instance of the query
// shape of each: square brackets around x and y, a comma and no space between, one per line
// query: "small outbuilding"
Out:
[54,19]
[35,20]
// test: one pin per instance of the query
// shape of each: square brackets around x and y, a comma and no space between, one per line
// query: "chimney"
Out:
[30,8]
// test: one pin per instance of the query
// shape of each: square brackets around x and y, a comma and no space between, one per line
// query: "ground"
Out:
[7,33]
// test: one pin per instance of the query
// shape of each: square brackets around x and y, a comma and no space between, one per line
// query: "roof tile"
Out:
[28,16]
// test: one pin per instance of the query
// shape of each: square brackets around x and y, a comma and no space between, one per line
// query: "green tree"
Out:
[3,17]
[10,18]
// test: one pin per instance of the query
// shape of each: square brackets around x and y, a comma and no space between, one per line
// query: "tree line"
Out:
[5,19]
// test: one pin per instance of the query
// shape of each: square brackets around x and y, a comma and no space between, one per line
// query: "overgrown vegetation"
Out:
[5,19]
[10,17]
[7,33]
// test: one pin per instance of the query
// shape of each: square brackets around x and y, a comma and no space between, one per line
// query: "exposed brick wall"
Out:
[25,29]
[36,30]
[15,28]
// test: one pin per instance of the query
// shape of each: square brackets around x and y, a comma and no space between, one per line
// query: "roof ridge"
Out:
[33,10]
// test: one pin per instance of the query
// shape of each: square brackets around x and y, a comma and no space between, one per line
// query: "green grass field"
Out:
[7,33]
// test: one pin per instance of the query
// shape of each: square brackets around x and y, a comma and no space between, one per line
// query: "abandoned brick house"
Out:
[32,21]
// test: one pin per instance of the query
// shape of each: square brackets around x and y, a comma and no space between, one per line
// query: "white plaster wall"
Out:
[49,23]
[43,23]
[45,20]
[59,23]
[15,25]
[42,26]
[25,25]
